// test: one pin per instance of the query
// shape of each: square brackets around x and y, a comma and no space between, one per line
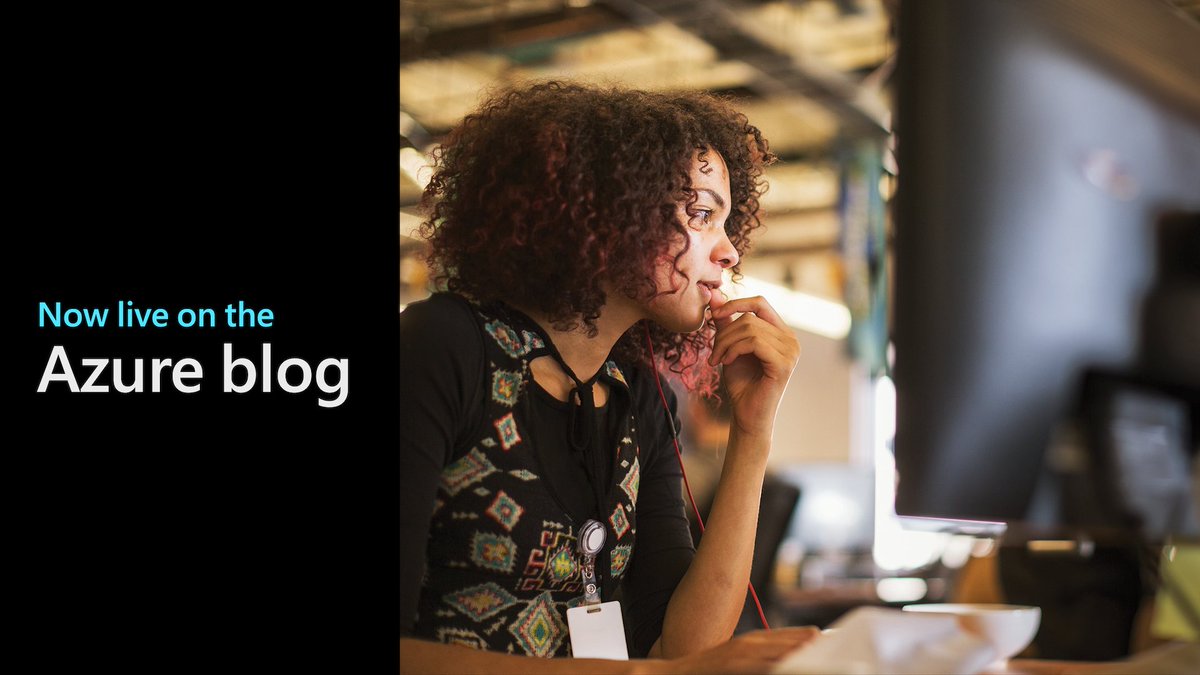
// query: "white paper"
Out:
[875,640]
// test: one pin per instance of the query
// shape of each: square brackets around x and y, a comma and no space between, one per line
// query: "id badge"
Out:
[597,632]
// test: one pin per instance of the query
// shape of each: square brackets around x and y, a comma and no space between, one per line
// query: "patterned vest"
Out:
[502,565]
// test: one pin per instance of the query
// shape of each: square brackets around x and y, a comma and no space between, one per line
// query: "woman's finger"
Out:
[756,305]
[750,327]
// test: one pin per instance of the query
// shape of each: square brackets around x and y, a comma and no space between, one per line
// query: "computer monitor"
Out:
[1040,145]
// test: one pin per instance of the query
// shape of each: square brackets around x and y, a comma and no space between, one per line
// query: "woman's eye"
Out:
[702,215]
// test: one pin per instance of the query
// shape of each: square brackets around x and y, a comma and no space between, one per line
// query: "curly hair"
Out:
[548,191]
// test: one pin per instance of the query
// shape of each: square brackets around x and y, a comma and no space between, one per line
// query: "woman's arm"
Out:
[441,372]
[758,353]
[755,652]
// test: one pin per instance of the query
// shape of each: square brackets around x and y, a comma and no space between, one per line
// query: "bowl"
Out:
[1009,628]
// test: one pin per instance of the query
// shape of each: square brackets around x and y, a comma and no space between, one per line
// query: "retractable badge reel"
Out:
[597,630]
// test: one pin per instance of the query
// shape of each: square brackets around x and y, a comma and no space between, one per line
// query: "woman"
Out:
[582,234]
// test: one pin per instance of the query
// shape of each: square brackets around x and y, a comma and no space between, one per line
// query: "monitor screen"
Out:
[1142,439]
[1040,145]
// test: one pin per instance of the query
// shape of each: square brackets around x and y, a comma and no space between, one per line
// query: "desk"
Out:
[1044,667]
[1176,658]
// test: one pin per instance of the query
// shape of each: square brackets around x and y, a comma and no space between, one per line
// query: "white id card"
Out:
[597,632]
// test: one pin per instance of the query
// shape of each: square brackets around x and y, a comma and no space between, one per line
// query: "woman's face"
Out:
[683,299]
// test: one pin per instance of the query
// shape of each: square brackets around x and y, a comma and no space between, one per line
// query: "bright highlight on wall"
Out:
[901,589]
[895,547]
[799,310]
[416,166]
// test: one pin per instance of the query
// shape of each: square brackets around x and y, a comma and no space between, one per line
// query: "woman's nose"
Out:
[724,253]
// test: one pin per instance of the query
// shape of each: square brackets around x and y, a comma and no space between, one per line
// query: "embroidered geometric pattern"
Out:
[507,426]
[482,491]
[538,628]
[619,522]
[561,565]
[507,338]
[523,474]
[505,511]
[493,552]
[532,341]
[620,558]
[505,385]
[489,442]
[631,482]
[551,566]
[614,372]
[473,467]
[461,636]
[480,602]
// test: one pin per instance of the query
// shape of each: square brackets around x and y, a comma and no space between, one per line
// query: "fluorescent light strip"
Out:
[799,310]
[416,166]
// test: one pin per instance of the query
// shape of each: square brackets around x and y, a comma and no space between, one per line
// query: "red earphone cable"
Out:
[679,456]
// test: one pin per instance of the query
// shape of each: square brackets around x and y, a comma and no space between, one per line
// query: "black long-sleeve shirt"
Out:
[470,409]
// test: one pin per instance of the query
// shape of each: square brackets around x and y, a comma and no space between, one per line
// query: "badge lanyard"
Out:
[591,542]
[596,628]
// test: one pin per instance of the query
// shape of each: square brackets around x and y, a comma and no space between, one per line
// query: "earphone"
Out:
[679,456]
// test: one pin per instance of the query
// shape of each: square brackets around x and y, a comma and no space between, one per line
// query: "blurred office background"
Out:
[817,77]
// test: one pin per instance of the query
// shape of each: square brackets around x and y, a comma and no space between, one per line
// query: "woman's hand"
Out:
[754,652]
[758,353]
